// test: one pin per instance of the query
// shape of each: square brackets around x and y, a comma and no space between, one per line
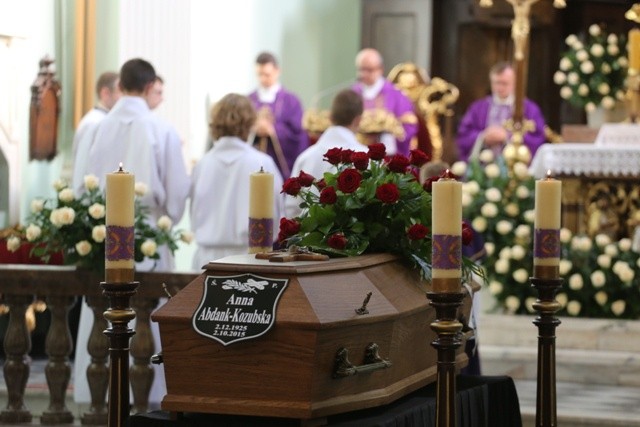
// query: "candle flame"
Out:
[120,169]
[549,176]
[448,175]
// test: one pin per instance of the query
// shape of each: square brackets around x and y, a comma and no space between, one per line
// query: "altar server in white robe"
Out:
[132,135]
[346,112]
[220,183]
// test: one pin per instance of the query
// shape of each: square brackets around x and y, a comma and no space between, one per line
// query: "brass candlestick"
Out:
[449,339]
[119,314]
[546,306]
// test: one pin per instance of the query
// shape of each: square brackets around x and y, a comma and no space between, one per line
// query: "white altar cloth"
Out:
[586,159]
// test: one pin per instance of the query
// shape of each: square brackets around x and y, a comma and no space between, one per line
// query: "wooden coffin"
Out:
[291,369]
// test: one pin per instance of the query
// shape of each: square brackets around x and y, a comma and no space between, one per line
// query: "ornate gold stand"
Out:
[448,329]
[546,305]
[119,314]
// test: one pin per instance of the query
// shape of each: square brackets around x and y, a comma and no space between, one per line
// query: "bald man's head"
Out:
[369,65]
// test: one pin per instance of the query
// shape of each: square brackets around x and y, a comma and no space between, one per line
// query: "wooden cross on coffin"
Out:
[294,253]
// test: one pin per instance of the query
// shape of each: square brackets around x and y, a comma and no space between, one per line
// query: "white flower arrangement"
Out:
[592,72]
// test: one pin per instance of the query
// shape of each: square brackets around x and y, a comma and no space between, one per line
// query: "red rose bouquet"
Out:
[370,203]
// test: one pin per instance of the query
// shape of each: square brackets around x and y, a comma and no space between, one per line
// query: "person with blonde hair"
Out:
[220,183]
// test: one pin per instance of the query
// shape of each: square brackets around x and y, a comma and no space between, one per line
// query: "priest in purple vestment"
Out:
[483,124]
[278,130]
[377,92]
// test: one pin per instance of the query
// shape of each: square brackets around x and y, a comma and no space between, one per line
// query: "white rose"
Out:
[164,223]
[186,236]
[565,267]
[96,211]
[33,232]
[466,199]
[62,216]
[622,60]
[83,248]
[562,299]
[505,253]
[59,184]
[611,250]
[493,194]
[523,231]
[582,55]
[489,210]
[502,266]
[571,39]
[620,96]
[522,192]
[521,275]
[565,92]
[601,298]
[13,243]
[504,227]
[565,64]
[574,307]
[148,248]
[140,189]
[520,170]
[624,244]
[594,30]
[627,275]
[608,103]
[565,235]
[578,45]
[512,303]
[618,307]
[613,49]
[523,154]
[518,252]
[604,261]
[459,168]
[471,187]
[573,78]
[590,107]
[512,210]
[612,39]
[528,303]
[529,216]
[66,195]
[606,68]
[559,77]
[597,50]
[99,233]
[490,248]
[495,287]
[486,156]
[598,278]
[602,240]
[575,282]
[91,182]
[585,244]
[587,67]
[583,90]
[37,205]
[479,224]
[492,170]
[603,89]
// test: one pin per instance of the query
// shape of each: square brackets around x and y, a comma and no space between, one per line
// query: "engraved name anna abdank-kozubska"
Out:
[237,308]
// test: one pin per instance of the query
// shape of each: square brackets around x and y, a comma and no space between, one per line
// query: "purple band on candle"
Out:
[119,243]
[260,232]
[546,243]
[447,252]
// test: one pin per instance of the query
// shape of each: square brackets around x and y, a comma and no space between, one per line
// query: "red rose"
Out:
[360,160]
[333,155]
[337,241]
[346,156]
[467,234]
[328,196]
[418,158]
[349,180]
[417,232]
[305,179]
[428,182]
[288,227]
[377,151]
[291,186]
[388,193]
[398,163]
[321,184]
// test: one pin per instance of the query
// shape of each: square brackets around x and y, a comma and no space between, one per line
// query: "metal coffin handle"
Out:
[372,362]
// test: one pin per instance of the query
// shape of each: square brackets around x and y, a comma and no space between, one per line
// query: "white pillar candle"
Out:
[261,200]
[546,241]
[446,229]
[119,246]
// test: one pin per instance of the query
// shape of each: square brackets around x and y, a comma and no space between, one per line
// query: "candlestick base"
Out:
[449,339]
[546,306]
[119,314]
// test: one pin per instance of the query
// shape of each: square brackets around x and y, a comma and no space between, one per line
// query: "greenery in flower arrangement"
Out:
[601,277]
[369,203]
[75,227]
[592,72]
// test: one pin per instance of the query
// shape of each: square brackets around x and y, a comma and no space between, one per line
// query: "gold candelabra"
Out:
[632,82]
